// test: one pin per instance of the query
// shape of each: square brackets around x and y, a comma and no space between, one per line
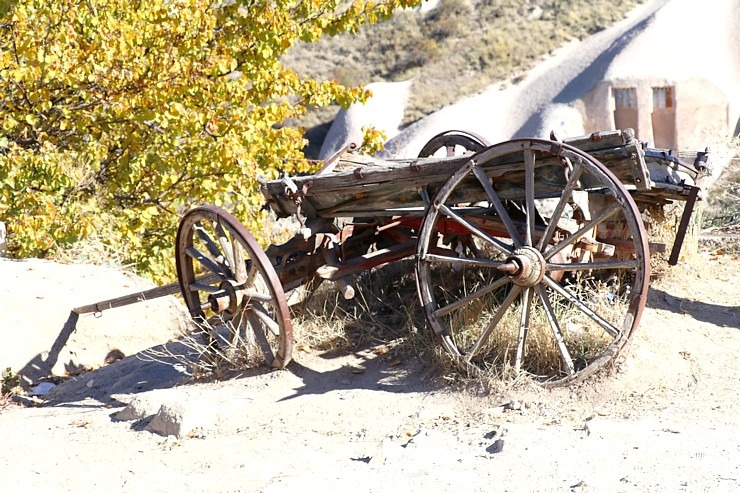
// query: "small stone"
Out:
[513,405]
[138,408]
[579,487]
[496,447]
[181,420]
[42,389]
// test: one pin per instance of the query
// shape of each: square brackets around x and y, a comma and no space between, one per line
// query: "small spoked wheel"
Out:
[516,267]
[232,290]
[453,143]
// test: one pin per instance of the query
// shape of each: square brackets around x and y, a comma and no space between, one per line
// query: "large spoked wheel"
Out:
[453,143]
[515,269]
[231,289]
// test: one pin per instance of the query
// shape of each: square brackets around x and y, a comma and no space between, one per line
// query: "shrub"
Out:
[118,116]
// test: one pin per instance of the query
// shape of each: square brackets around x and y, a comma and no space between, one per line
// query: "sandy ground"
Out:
[667,420]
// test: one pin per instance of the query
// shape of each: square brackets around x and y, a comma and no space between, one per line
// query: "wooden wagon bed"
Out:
[364,186]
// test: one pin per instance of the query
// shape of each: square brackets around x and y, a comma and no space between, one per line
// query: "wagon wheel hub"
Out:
[226,301]
[526,267]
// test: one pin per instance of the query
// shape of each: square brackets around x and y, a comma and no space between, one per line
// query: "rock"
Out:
[139,408]
[384,111]
[513,405]
[496,447]
[180,420]
[42,389]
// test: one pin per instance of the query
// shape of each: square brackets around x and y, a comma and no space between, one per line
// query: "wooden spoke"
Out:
[529,195]
[609,328]
[455,305]
[207,240]
[557,333]
[208,288]
[254,296]
[513,294]
[226,245]
[262,338]
[442,259]
[497,244]
[215,253]
[239,264]
[523,327]
[570,240]
[204,260]
[608,265]
[499,206]
[564,199]
[265,318]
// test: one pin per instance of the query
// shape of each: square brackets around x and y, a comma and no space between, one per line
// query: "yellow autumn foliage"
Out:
[118,116]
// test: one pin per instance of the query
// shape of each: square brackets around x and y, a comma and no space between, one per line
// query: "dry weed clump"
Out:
[385,311]
[385,316]
[214,348]
[10,387]
[723,198]
[94,250]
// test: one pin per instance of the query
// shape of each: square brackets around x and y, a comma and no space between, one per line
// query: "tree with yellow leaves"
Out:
[116,116]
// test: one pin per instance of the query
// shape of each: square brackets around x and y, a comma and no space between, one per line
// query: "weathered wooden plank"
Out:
[602,140]
[370,184]
[427,171]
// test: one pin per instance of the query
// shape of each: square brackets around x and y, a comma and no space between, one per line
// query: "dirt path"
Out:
[666,421]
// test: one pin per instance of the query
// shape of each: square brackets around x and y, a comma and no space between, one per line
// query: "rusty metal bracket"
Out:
[567,167]
[556,148]
[683,226]
[703,162]
[297,195]
[639,168]
[331,163]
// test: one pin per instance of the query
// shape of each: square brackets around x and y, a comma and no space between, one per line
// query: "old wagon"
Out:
[530,254]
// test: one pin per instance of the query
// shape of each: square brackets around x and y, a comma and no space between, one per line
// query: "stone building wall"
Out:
[668,114]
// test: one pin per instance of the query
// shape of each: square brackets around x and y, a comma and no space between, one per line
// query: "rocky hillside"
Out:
[451,48]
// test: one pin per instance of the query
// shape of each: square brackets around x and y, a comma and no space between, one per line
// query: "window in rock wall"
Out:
[664,117]
[662,97]
[625,108]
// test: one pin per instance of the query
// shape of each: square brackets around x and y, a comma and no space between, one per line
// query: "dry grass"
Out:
[231,351]
[93,250]
[542,359]
[385,316]
[384,312]
[10,387]
[723,198]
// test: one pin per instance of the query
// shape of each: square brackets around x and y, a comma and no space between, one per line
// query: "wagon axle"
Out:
[526,267]
[226,300]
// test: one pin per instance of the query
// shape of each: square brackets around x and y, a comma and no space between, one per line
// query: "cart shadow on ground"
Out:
[134,374]
[364,369]
[165,366]
[715,314]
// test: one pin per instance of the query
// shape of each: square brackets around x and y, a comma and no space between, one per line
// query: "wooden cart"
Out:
[529,254]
